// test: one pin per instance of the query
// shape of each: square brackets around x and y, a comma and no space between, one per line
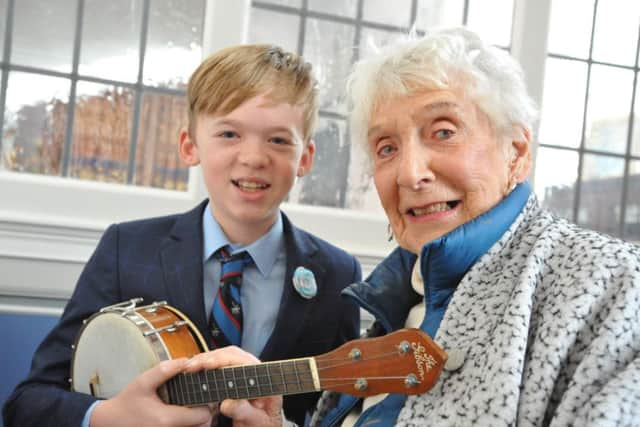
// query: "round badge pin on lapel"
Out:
[304,283]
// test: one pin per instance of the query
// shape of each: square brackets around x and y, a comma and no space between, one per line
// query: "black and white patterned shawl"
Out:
[549,322]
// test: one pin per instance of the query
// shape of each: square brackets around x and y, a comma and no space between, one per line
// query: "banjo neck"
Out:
[406,361]
[293,376]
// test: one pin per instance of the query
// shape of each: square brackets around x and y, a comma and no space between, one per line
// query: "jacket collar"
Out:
[300,251]
[181,255]
[444,261]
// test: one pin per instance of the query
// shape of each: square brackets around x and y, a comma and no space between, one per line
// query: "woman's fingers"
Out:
[266,411]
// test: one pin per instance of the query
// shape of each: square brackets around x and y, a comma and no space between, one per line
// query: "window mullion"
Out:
[225,24]
[529,46]
[71,105]
[138,92]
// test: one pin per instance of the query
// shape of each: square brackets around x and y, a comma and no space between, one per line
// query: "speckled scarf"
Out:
[549,323]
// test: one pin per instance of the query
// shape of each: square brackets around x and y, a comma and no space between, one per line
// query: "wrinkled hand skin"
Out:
[261,412]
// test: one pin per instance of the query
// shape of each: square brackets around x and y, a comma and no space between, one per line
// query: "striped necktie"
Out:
[226,313]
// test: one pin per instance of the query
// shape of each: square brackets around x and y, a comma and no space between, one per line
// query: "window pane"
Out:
[340,176]
[635,145]
[632,214]
[555,178]
[34,123]
[326,184]
[346,8]
[111,33]
[492,20]
[608,110]
[616,31]
[43,34]
[383,12]
[3,23]
[580,14]
[361,193]
[157,161]
[174,42]
[371,40]
[439,13]
[292,3]
[562,110]
[601,193]
[329,47]
[280,29]
[101,132]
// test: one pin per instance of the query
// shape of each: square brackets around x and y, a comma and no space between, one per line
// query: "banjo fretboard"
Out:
[242,382]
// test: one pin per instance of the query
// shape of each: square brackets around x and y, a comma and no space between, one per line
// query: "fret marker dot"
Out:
[204,387]
[230,384]
[251,382]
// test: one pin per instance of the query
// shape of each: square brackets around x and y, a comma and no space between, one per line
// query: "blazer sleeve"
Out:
[45,397]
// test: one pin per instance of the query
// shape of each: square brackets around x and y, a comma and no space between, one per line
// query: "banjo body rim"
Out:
[120,342]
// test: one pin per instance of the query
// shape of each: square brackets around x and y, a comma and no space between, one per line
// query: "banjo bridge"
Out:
[93,385]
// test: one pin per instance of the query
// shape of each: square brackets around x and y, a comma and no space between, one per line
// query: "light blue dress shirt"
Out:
[262,282]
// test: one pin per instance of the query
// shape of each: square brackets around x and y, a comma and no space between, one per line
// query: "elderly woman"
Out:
[540,318]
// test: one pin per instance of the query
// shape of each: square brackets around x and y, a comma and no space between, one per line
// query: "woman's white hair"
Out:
[447,59]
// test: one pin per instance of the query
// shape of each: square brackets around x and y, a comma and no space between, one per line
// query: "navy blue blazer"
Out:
[161,259]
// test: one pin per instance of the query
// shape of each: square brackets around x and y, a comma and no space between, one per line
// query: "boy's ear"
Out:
[306,160]
[188,148]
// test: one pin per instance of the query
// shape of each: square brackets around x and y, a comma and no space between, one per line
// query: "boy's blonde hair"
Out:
[236,74]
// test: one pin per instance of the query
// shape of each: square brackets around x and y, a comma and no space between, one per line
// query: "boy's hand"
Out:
[138,404]
[264,411]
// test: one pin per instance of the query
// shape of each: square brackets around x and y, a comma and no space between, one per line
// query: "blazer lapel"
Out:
[293,308]
[182,264]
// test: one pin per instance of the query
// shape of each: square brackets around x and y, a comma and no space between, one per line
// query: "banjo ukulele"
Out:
[123,340]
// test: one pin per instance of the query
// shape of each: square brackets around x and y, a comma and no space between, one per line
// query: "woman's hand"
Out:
[264,411]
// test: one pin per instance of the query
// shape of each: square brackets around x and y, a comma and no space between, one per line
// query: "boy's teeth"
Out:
[436,207]
[249,185]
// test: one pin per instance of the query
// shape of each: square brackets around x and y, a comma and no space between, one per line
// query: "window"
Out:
[103,99]
[92,98]
[587,163]
[325,33]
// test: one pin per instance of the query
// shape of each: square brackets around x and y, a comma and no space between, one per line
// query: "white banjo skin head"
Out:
[110,352]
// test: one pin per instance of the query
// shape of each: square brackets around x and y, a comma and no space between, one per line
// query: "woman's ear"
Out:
[188,148]
[521,159]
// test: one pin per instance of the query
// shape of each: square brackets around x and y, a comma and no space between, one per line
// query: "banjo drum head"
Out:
[111,351]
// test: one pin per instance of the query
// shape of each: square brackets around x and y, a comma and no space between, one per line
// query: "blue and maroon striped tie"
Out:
[226,314]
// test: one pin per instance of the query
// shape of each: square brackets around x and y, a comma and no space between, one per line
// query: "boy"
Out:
[252,111]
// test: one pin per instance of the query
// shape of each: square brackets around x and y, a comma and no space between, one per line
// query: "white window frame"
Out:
[49,226]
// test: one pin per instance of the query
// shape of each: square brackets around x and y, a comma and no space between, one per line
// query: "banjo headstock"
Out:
[407,361]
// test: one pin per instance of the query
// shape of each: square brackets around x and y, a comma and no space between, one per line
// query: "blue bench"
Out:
[23,333]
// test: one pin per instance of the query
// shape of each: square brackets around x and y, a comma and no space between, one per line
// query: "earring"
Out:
[389,233]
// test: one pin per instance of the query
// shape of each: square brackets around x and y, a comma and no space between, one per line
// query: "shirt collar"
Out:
[264,251]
